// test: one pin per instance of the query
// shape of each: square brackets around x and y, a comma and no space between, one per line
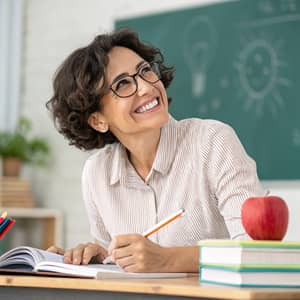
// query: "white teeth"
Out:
[147,106]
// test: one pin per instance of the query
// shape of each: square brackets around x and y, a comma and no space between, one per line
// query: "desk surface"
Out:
[150,288]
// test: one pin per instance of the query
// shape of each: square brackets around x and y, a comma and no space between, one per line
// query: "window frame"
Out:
[11,33]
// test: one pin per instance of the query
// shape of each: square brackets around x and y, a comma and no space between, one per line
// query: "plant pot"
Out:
[11,166]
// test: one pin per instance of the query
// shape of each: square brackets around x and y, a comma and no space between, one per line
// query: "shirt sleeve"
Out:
[233,176]
[97,227]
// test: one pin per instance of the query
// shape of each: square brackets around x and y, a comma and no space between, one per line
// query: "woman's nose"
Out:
[143,87]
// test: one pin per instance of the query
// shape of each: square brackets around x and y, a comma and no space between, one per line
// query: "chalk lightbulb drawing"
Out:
[199,43]
[260,81]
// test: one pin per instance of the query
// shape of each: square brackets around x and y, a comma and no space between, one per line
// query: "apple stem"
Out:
[267,192]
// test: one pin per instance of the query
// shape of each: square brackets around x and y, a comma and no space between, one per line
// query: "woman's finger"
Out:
[55,249]
[89,252]
[121,252]
[78,254]
[123,240]
[68,256]
[125,262]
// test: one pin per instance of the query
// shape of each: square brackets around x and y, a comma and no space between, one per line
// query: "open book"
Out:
[37,260]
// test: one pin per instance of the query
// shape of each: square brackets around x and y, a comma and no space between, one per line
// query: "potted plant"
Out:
[17,147]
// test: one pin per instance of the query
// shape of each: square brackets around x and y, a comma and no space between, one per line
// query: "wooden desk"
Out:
[49,288]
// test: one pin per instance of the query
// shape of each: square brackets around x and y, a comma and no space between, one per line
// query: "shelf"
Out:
[50,219]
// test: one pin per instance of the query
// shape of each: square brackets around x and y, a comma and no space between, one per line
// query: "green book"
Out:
[247,253]
[250,277]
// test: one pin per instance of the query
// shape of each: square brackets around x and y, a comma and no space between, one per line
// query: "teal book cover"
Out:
[250,277]
[252,268]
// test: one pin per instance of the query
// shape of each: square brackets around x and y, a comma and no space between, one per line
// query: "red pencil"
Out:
[3,217]
[9,225]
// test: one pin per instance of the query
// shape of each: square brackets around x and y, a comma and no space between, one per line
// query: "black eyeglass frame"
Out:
[156,70]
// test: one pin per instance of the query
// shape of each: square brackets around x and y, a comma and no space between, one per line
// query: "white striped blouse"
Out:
[200,166]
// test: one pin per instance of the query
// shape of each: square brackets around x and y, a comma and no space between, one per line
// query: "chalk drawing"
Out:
[266,7]
[199,46]
[288,6]
[259,66]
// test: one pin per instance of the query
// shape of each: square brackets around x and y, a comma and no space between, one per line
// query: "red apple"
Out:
[265,218]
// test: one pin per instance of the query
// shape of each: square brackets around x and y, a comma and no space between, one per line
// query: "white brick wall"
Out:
[54,28]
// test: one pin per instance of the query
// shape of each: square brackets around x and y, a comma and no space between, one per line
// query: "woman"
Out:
[112,95]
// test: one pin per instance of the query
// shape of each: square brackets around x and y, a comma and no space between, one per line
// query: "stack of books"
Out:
[250,263]
[15,192]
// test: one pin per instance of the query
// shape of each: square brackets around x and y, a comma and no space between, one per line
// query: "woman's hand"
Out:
[135,253]
[82,254]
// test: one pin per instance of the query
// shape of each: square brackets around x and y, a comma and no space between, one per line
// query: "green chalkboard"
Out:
[238,62]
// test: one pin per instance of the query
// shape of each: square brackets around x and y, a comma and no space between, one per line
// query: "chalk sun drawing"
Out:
[259,79]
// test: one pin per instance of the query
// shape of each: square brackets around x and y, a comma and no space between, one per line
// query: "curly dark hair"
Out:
[80,82]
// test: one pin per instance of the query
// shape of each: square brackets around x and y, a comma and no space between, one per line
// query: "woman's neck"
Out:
[142,151]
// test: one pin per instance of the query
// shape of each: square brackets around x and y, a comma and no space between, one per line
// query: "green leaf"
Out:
[18,144]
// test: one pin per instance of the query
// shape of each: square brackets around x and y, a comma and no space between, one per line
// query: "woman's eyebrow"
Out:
[140,64]
[120,76]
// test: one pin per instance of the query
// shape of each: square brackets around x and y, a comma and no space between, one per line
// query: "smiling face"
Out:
[144,111]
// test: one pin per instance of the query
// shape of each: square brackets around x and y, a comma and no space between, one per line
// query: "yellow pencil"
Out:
[155,228]
[164,223]
[4,215]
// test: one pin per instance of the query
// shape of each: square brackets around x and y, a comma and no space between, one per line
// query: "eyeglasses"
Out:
[127,85]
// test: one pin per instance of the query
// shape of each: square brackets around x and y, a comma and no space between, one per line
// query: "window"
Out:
[11,24]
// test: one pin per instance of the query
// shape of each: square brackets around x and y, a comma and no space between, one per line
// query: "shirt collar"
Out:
[166,147]
[119,158]
[163,159]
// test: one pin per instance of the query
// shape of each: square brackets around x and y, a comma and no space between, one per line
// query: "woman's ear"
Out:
[97,121]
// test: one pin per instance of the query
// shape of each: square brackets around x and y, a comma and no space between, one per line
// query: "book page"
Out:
[113,271]
[26,257]
[122,274]
[49,256]
[100,271]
